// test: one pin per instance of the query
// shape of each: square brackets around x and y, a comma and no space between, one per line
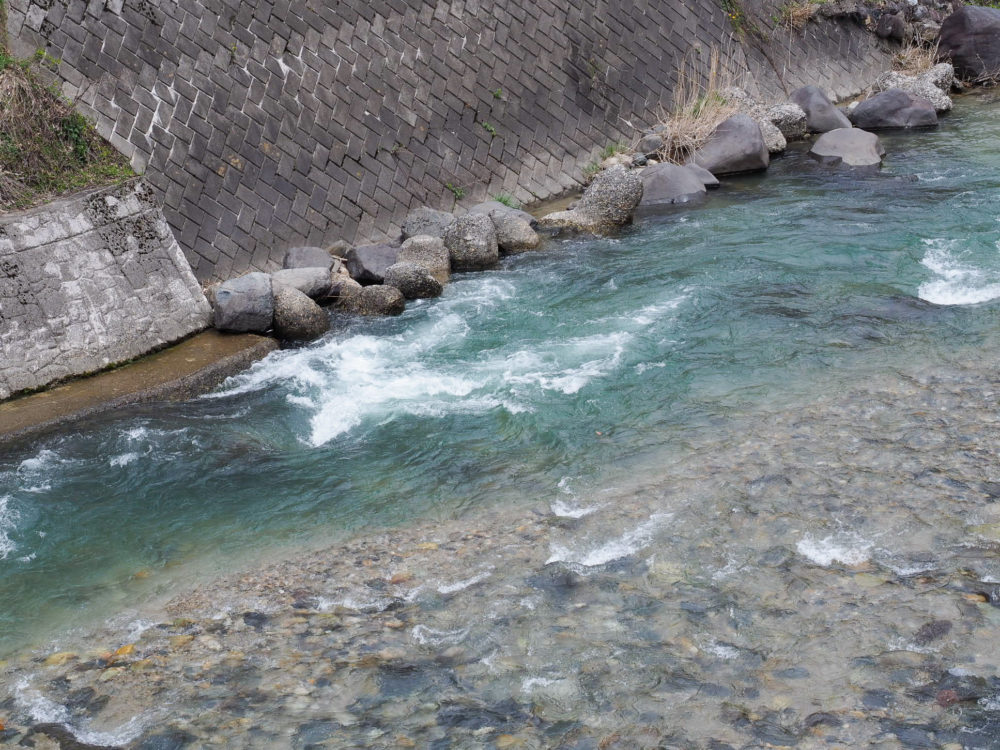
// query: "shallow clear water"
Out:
[668,364]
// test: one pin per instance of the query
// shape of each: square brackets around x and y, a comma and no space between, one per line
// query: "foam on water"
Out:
[8,524]
[629,543]
[845,548]
[957,281]
[451,588]
[46,711]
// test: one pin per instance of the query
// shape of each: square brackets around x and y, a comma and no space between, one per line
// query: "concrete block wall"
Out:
[88,282]
[280,122]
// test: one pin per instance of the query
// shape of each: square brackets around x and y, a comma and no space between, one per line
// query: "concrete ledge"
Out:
[180,372]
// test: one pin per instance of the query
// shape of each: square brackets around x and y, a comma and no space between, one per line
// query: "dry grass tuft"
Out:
[699,107]
[914,59]
[795,15]
[46,148]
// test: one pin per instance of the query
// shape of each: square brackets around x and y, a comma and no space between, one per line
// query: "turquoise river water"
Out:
[728,477]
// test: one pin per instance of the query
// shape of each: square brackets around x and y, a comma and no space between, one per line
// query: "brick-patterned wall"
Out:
[279,122]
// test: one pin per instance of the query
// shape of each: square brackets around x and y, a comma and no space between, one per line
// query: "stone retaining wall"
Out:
[88,282]
[267,124]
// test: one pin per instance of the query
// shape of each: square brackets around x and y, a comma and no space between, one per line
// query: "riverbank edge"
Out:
[180,371]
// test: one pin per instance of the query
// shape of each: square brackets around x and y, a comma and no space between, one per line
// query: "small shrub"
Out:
[46,148]
[590,170]
[914,59]
[507,199]
[489,128]
[457,191]
[611,149]
[795,14]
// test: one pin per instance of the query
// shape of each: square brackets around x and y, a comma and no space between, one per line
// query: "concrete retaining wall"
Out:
[267,124]
[89,282]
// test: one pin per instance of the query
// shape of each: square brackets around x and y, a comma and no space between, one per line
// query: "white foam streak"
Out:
[45,710]
[8,524]
[956,282]
[451,588]
[627,544]
[845,548]
[430,637]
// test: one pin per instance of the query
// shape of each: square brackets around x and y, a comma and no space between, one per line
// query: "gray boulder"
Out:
[850,147]
[492,208]
[664,184]
[747,105]
[472,243]
[933,85]
[650,144]
[312,282]
[970,40]
[514,233]
[376,300]
[426,221]
[245,304]
[428,252]
[308,257]
[414,281]
[790,119]
[296,317]
[342,288]
[891,26]
[893,109]
[367,263]
[821,115]
[606,204]
[708,179]
[735,146]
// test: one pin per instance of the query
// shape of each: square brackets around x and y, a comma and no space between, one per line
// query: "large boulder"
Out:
[709,180]
[308,257]
[747,105]
[850,147]
[970,40]
[933,85]
[426,221]
[735,146]
[492,208]
[606,204]
[428,252]
[245,304]
[342,288]
[375,300]
[414,281]
[313,282]
[790,119]
[514,232]
[893,109]
[821,115]
[472,243]
[367,263]
[663,184]
[296,317]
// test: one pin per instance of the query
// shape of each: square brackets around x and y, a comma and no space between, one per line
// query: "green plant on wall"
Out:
[489,128]
[507,199]
[457,191]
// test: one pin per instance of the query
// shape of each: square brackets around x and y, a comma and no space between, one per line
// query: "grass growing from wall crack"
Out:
[46,148]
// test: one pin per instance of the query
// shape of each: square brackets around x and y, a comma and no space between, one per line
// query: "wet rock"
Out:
[169,739]
[472,243]
[367,263]
[970,40]
[60,658]
[931,631]
[790,119]
[414,281]
[821,115]
[60,734]
[514,232]
[314,733]
[426,221]
[428,252]
[821,718]
[850,147]
[736,146]
[245,304]
[343,289]
[314,282]
[877,698]
[471,715]
[255,620]
[376,300]
[606,204]
[665,184]
[308,257]
[893,108]
[296,317]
